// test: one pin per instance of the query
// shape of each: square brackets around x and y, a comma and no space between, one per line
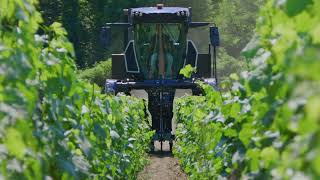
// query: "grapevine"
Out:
[53,125]
[266,125]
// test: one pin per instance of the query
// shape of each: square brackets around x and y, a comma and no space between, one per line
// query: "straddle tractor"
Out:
[156,49]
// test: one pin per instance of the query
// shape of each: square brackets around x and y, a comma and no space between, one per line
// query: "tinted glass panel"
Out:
[130,58]
[160,49]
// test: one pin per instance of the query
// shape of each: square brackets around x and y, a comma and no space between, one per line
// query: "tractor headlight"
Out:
[178,13]
[136,13]
[182,13]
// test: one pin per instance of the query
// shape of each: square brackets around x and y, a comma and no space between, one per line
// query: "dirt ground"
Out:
[162,166]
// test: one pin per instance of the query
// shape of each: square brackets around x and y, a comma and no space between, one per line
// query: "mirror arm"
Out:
[214,42]
[123,25]
[198,24]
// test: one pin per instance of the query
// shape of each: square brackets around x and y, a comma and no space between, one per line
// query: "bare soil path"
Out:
[162,166]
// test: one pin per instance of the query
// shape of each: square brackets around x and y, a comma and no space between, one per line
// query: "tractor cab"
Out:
[156,49]
[160,36]
[156,44]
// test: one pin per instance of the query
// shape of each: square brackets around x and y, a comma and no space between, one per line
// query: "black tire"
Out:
[171,146]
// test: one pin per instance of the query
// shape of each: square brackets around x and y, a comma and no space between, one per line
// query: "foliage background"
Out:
[83,20]
[53,125]
[266,126]
[97,74]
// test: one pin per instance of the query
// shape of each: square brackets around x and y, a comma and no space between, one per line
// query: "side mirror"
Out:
[214,36]
[105,36]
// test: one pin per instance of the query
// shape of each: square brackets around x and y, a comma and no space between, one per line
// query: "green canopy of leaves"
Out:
[267,125]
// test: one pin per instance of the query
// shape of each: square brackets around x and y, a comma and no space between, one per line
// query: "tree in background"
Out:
[83,20]
[202,10]
[236,20]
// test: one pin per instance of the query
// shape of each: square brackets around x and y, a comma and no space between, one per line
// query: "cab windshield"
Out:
[160,49]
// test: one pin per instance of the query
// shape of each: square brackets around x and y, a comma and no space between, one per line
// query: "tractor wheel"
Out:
[171,145]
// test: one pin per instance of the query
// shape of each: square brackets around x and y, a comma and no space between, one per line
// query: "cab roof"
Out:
[160,14]
[162,10]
